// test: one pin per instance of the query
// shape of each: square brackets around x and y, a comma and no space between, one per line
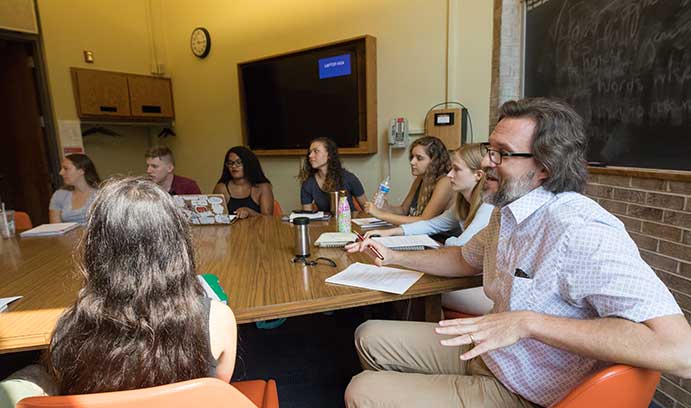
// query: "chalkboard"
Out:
[625,65]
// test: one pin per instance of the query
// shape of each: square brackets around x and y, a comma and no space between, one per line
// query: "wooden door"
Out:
[24,166]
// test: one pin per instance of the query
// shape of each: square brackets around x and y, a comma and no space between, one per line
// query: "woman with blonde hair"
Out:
[470,215]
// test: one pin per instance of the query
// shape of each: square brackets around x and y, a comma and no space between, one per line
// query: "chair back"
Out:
[200,392]
[618,386]
[22,221]
[277,209]
[455,314]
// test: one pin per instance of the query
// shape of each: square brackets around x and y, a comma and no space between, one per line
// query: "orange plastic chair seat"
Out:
[200,392]
[453,314]
[618,386]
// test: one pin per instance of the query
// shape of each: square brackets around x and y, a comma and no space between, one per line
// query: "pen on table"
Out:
[370,247]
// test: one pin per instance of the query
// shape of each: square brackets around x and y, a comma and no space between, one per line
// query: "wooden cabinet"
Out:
[101,93]
[150,97]
[121,96]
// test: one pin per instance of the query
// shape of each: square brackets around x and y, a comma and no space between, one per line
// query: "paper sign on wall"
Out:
[70,132]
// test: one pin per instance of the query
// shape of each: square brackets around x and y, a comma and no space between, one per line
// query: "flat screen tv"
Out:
[290,99]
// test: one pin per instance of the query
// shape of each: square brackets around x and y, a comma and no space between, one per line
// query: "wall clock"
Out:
[200,42]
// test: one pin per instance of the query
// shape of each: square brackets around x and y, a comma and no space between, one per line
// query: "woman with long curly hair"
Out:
[322,172]
[430,194]
[247,191]
[141,318]
[469,216]
[80,180]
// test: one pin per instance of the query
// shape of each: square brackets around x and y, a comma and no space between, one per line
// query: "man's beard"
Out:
[509,190]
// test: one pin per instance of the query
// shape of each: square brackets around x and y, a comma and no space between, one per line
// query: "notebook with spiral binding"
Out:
[335,239]
[408,242]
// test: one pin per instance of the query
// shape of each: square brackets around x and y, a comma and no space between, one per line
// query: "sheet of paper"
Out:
[407,241]
[70,132]
[383,278]
[4,302]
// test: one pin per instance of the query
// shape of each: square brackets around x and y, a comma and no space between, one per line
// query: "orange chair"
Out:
[277,209]
[453,314]
[22,221]
[618,386]
[201,392]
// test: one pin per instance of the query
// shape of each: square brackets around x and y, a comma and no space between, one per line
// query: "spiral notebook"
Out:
[408,242]
[335,239]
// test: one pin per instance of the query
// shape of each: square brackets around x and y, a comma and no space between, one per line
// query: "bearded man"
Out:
[571,292]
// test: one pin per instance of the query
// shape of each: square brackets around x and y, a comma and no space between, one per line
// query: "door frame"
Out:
[44,102]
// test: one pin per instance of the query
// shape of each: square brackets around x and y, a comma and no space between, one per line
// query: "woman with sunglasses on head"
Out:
[247,191]
[470,215]
[80,182]
[430,194]
[141,318]
[322,172]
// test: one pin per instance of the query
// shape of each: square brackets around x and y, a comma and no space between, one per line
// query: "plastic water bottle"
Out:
[380,195]
[343,213]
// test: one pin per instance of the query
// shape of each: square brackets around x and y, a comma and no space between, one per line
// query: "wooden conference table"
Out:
[251,259]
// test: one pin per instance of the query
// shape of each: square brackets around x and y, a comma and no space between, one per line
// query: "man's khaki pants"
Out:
[406,366]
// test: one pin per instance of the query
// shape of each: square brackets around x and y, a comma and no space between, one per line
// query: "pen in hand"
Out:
[370,247]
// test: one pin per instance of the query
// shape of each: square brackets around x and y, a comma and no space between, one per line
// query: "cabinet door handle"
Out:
[151,109]
[108,108]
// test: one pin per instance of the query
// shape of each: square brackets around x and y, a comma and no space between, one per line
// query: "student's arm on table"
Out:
[362,200]
[266,199]
[54,216]
[388,209]
[439,201]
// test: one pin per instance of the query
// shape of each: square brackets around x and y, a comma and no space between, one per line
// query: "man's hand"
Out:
[489,332]
[362,246]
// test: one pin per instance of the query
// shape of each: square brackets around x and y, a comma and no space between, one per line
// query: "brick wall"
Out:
[506,55]
[654,205]
[657,215]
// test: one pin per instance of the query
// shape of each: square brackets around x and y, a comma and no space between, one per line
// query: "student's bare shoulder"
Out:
[263,187]
[221,313]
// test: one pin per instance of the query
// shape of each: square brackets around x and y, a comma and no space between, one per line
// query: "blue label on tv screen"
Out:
[334,66]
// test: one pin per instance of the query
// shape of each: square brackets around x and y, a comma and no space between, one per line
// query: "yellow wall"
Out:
[411,40]
[116,31]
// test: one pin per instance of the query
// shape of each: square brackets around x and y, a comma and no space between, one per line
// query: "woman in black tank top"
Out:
[247,191]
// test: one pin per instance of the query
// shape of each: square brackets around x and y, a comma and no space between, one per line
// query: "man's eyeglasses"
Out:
[496,156]
[231,163]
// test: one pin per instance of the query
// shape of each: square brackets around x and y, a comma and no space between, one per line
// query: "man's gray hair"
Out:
[559,141]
